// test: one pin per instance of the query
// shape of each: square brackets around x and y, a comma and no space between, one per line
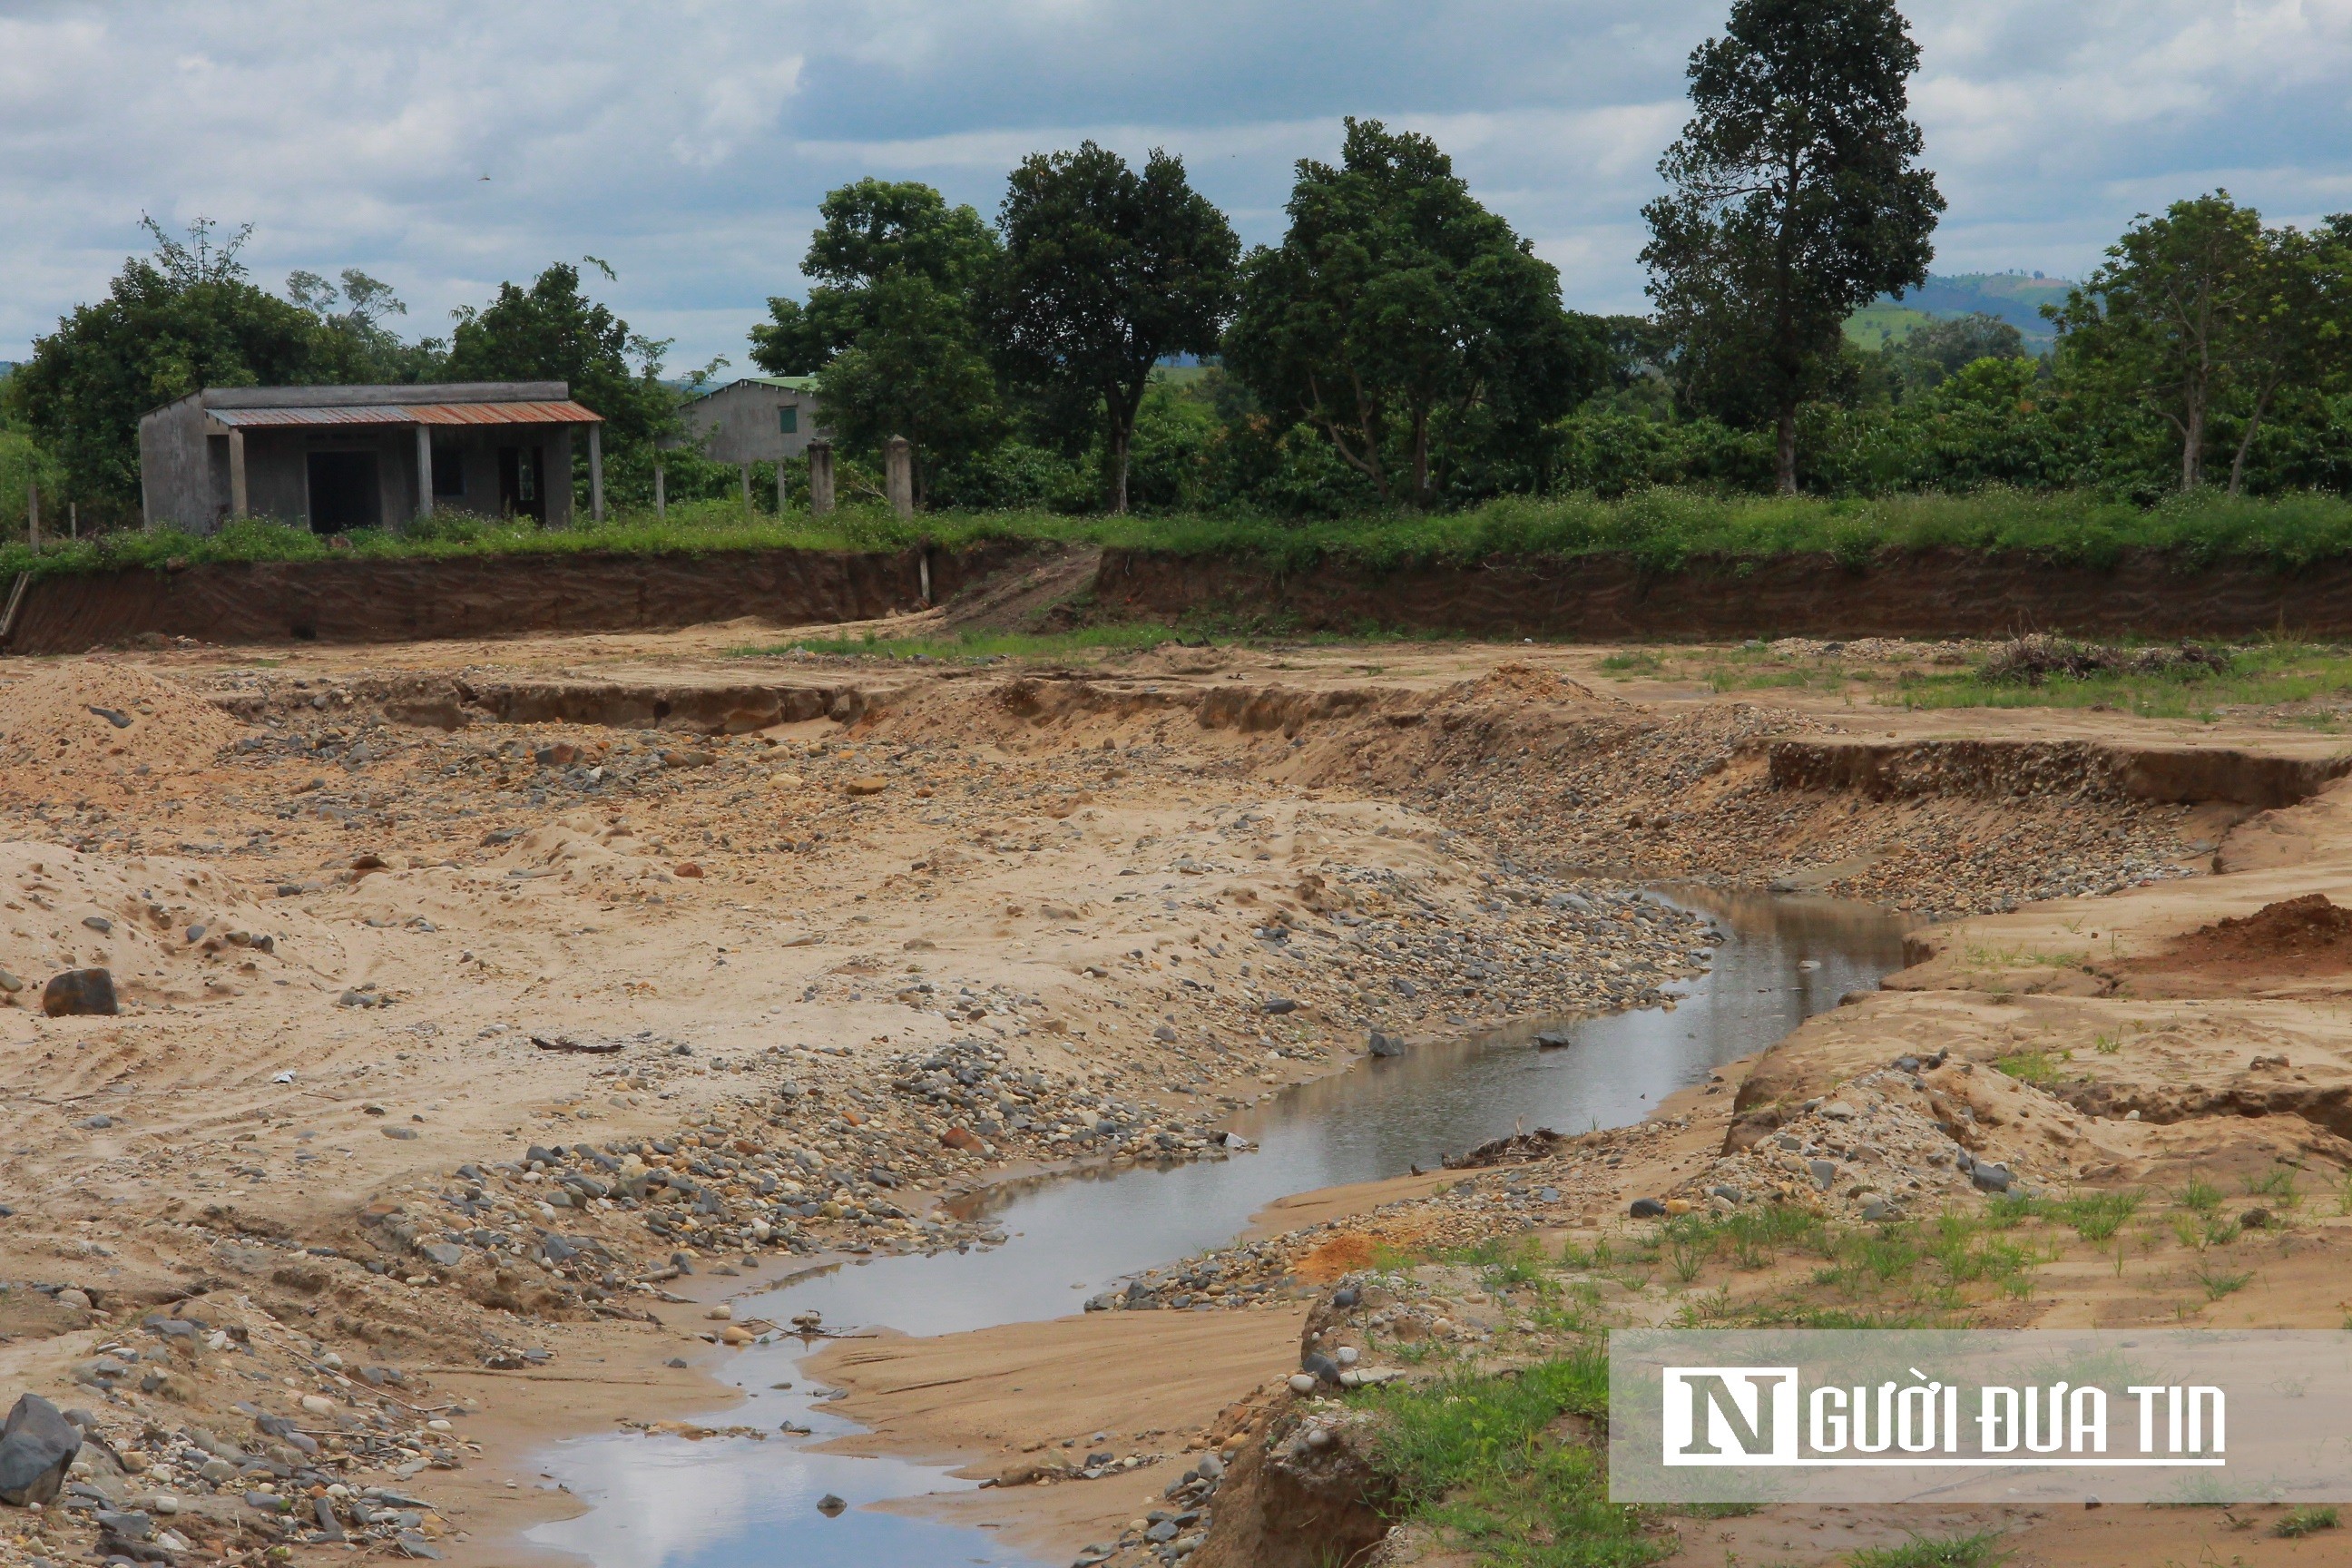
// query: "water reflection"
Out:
[664,1503]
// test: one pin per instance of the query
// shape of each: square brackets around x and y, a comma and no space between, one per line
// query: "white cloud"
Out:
[690,143]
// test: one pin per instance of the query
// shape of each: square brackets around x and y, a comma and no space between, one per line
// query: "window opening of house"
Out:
[788,419]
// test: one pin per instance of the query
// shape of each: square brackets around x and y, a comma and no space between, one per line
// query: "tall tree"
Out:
[356,343]
[888,327]
[554,331]
[1106,271]
[173,321]
[1395,300]
[1795,199]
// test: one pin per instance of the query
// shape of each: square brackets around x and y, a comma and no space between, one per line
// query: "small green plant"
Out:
[2218,1283]
[2201,1196]
[2094,1216]
[2302,1522]
[2108,1045]
[2277,1184]
[1981,1550]
[2037,1067]
[1690,1242]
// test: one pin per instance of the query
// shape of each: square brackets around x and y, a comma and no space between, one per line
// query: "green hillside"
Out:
[2016,298]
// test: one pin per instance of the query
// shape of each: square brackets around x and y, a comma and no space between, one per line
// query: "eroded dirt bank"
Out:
[482,1029]
[397,601]
[1933,593]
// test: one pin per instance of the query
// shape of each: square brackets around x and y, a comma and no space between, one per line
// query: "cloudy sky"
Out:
[446,146]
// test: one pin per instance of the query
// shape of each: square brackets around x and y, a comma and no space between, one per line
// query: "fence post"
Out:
[820,457]
[898,463]
[33,514]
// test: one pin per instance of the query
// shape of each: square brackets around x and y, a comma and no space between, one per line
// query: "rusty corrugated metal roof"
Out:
[564,413]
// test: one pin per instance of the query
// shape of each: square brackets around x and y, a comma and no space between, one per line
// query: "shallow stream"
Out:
[737,1503]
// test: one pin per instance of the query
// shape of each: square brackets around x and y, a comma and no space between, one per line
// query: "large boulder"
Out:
[79,992]
[36,1447]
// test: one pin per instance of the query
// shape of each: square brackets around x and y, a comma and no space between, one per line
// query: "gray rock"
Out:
[1277,1005]
[1989,1177]
[403,1133]
[80,993]
[1825,1172]
[414,1545]
[1163,1033]
[1648,1208]
[1382,1044]
[1163,1532]
[1320,1367]
[324,1512]
[129,1526]
[100,924]
[442,1254]
[36,1444]
[830,1506]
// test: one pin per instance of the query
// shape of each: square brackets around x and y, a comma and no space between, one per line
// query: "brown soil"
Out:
[773,858]
[2308,936]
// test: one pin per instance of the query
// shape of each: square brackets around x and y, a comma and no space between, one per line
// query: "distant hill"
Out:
[2016,298]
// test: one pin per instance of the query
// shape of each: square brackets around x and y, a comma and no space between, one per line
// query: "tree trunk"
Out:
[1421,497]
[1786,457]
[2246,445]
[1120,442]
[2192,442]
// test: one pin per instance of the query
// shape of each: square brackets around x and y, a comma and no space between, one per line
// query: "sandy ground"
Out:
[334,936]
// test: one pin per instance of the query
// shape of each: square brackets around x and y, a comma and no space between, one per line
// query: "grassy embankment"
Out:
[1664,530]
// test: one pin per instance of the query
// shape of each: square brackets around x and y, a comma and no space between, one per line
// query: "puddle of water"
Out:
[666,1503]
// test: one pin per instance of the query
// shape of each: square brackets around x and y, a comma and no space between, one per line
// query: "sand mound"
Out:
[95,715]
[1527,681]
[169,930]
[2305,932]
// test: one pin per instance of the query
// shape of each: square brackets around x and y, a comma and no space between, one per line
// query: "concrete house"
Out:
[339,458]
[759,419]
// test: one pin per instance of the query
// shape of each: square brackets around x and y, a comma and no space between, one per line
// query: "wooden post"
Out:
[596,473]
[780,487]
[424,470]
[926,566]
[898,475]
[73,520]
[33,515]
[820,457]
[746,471]
[661,500]
[237,491]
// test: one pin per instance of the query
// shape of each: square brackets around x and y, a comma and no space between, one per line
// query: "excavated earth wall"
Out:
[377,601]
[1920,592]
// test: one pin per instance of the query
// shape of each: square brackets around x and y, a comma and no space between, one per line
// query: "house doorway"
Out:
[344,491]
[522,488]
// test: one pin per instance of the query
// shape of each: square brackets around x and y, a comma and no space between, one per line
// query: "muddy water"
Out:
[660,1503]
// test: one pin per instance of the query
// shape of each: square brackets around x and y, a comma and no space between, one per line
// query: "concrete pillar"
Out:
[745,469]
[596,473]
[238,506]
[781,495]
[424,470]
[898,475]
[661,497]
[820,457]
[33,515]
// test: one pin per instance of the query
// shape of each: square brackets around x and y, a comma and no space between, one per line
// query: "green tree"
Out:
[1940,350]
[1106,271]
[871,231]
[552,331]
[1396,307]
[2204,312]
[354,345]
[1794,200]
[887,328]
[173,322]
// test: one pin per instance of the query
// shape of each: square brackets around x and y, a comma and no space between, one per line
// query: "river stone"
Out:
[1989,1177]
[1384,1044]
[1318,1366]
[80,993]
[37,1445]
[1648,1208]
[830,1506]
[443,1254]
